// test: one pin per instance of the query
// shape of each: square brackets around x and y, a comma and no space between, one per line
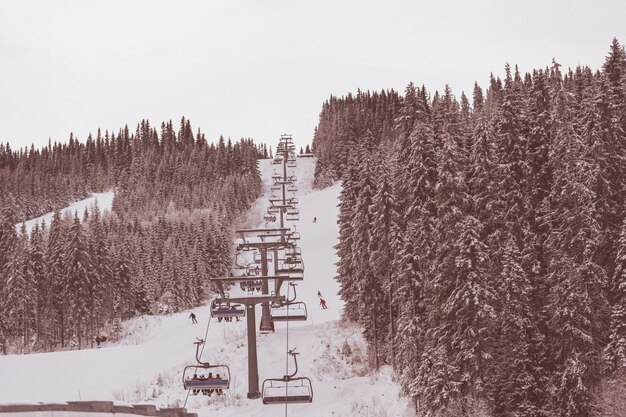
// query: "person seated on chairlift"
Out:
[194,378]
[201,378]
[208,378]
[233,308]
[218,378]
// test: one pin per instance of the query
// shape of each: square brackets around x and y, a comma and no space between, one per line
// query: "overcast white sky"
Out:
[262,68]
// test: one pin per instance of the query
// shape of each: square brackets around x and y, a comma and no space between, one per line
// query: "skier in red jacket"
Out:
[323,303]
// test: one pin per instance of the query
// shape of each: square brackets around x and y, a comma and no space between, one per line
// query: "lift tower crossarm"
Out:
[256,231]
[264,245]
[252,300]
[245,278]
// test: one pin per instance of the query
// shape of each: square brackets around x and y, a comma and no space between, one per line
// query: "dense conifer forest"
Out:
[483,239]
[176,200]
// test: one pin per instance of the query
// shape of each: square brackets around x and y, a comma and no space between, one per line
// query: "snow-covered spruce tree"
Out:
[513,382]
[78,270]
[346,265]
[578,308]
[101,290]
[42,287]
[122,290]
[57,279]
[381,251]
[370,299]
[21,293]
[615,70]
[412,267]
[8,240]
[615,352]
[462,296]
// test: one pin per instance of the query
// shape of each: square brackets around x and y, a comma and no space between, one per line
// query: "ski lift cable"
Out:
[287,354]
[206,333]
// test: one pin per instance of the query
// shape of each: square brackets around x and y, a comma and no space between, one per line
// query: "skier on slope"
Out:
[314,219]
[319,294]
[323,303]
[193,318]
[100,339]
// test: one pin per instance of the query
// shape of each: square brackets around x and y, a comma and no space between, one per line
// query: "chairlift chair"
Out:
[227,310]
[292,188]
[293,251]
[292,217]
[251,286]
[191,380]
[288,389]
[244,257]
[292,261]
[290,312]
[291,265]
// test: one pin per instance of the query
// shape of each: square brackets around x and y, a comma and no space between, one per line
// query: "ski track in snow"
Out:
[104,200]
[147,365]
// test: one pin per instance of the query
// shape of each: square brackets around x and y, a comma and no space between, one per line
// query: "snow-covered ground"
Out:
[104,201]
[147,365]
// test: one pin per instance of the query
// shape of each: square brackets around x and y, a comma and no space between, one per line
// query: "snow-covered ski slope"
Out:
[104,201]
[146,366]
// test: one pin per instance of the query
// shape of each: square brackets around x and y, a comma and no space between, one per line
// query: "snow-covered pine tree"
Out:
[346,266]
[78,269]
[57,279]
[382,244]
[20,293]
[8,240]
[513,383]
[578,308]
[42,287]
[615,352]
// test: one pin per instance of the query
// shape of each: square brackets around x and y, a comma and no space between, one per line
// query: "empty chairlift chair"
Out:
[295,311]
[288,389]
[204,377]
[293,215]
[293,253]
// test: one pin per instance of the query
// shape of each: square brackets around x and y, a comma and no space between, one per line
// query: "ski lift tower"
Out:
[286,150]
[260,240]
[284,206]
